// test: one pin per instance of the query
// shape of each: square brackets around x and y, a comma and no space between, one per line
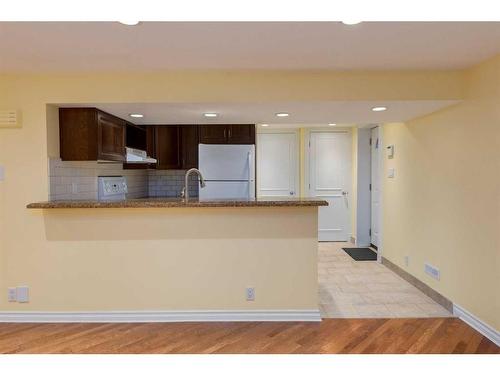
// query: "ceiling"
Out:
[301,113]
[106,46]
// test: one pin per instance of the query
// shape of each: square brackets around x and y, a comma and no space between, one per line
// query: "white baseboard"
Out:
[477,324]
[161,316]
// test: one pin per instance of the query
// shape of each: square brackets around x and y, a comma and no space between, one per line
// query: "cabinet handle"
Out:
[225,133]
[229,132]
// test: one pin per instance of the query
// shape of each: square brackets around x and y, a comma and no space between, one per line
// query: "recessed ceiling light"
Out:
[210,114]
[264,125]
[332,124]
[129,22]
[351,22]
[282,114]
[136,115]
[379,109]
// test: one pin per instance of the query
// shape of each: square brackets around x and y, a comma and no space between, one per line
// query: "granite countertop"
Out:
[177,202]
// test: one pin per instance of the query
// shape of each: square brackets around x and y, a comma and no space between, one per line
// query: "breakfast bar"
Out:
[165,256]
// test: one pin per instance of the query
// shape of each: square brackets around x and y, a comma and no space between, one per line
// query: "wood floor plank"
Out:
[431,335]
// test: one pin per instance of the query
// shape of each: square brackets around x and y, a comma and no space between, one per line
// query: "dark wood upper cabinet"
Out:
[241,134]
[227,134]
[189,146]
[167,147]
[136,137]
[150,140]
[213,134]
[90,134]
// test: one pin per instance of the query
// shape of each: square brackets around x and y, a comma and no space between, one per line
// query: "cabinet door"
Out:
[189,146]
[241,134]
[150,143]
[213,134]
[167,145]
[110,138]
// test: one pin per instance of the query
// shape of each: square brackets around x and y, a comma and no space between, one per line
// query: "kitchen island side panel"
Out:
[170,259]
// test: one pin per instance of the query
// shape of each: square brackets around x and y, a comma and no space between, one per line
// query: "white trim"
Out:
[381,167]
[483,328]
[161,316]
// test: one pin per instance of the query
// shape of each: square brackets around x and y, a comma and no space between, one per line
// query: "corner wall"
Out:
[443,206]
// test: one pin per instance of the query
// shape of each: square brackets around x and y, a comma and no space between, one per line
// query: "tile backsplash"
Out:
[169,183]
[77,180]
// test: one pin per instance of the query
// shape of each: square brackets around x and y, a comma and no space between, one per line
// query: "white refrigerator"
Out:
[228,170]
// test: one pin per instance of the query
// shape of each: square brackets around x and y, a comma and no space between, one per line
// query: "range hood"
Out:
[136,156]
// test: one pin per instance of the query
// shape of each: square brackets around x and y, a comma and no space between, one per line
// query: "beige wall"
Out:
[28,253]
[443,207]
[166,259]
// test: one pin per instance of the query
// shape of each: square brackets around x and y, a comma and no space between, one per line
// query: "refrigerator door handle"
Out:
[250,176]
[250,166]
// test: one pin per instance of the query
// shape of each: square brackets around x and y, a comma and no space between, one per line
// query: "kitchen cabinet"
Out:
[174,146]
[136,137]
[241,134]
[168,147]
[213,134]
[227,134]
[91,134]
[189,146]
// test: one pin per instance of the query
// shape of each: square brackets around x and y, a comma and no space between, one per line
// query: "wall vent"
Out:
[9,119]
[432,271]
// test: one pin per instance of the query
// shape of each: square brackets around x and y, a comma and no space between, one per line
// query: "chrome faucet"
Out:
[185,190]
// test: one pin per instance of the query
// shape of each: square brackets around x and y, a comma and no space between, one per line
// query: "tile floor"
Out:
[350,289]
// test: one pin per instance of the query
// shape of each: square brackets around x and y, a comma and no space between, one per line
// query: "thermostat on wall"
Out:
[390,151]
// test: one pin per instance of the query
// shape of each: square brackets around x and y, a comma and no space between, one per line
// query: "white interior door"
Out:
[375,186]
[330,179]
[277,164]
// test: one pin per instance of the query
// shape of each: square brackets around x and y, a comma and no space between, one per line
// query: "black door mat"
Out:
[360,253]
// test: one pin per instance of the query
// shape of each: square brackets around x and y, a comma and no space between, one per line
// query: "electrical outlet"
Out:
[22,293]
[432,271]
[12,294]
[250,292]
[407,260]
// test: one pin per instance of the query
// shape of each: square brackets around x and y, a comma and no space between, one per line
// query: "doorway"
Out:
[278,163]
[375,146]
[329,178]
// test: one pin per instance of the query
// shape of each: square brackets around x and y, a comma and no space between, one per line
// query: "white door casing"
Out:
[277,164]
[375,185]
[329,178]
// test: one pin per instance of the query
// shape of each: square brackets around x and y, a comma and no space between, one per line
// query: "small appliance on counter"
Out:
[111,188]
[228,170]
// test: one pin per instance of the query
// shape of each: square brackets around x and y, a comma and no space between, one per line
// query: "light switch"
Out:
[2,173]
[390,173]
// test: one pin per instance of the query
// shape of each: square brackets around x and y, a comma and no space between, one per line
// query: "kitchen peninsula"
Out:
[161,259]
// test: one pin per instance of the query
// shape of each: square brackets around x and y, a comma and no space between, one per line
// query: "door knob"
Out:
[345,193]
[292,193]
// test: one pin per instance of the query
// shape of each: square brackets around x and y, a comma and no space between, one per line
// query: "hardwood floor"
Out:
[433,335]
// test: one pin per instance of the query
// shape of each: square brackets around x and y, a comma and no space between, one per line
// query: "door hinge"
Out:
[376,144]
[370,231]
[370,141]
[370,187]
[309,186]
[309,144]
